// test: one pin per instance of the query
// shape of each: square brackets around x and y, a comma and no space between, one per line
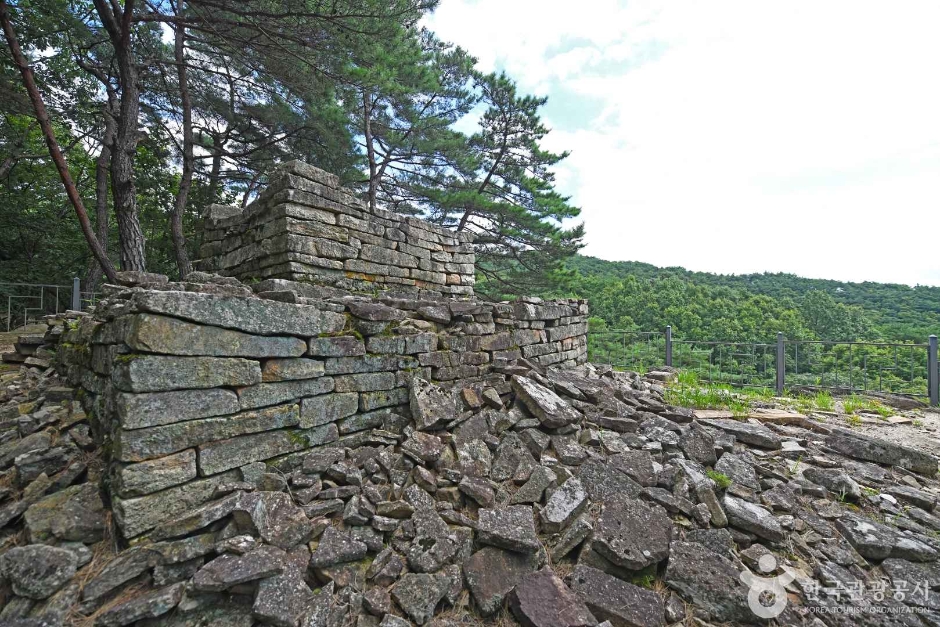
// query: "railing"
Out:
[29,302]
[906,369]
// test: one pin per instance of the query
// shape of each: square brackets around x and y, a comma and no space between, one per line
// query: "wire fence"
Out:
[27,303]
[907,369]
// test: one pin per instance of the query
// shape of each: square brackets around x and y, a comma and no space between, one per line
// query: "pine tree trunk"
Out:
[186,180]
[51,143]
[123,189]
[102,163]
[370,151]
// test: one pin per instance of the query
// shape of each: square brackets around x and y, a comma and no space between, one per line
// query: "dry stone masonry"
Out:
[305,227]
[292,447]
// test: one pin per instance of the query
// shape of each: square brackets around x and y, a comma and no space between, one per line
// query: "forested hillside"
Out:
[751,307]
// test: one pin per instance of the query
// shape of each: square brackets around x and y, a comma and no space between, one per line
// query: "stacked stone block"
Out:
[305,227]
[188,383]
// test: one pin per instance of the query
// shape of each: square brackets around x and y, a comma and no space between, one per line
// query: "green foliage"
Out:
[721,480]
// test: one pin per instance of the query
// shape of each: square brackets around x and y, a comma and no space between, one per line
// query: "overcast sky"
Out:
[735,137]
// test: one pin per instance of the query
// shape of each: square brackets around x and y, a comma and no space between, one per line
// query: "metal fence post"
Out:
[669,345]
[781,363]
[933,373]
[76,294]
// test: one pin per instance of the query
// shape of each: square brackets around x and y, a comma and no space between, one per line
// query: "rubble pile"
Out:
[575,497]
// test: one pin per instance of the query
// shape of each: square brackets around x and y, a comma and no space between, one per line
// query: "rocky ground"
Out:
[579,498]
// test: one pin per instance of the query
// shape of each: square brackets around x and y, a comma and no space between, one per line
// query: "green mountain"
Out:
[752,307]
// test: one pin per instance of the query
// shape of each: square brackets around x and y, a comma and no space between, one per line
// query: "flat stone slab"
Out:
[710,581]
[418,595]
[543,600]
[565,504]
[337,547]
[511,528]
[752,517]
[171,336]
[611,599]
[491,573]
[37,571]
[632,533]
[871,449]
[749,433]
[549,408]
[230,570]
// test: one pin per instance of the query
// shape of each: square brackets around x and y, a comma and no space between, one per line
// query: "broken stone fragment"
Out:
[150,605]
[565,504]
[752,517]
[336,547]
[549,408]
[418,594]
[543,600]
[37,571]
[491,574]
[632,534]
[611,599]
[230,570]
[509,528]
[710,581]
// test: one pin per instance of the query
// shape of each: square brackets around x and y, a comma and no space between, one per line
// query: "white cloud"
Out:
[735,136]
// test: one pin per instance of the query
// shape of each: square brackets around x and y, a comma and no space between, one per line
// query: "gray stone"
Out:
[281,600]
[610,599]
[423,447]
[266,394]
[325,409]
[543,600]
[419,594]
[912,572]
[125,567]
[478,490]
[73,514]
[752,517]
[37,571]
[230,570]
[738,470]
[574,535]
[638,465]
[698,444]
[605,480]
[140,514]
[142,444]
[149,605]
[251,315]
[509,528]
[835,481]
[632,534]
[319,460]
[877,542]
[921,499]
[568,450]
[291,369]
[136,411]
[708,580]
[549,408]
[337,346]
[746,432]
[565,504]
[154,475]
[160,334]
[431,405]
[14,448]
[533,489]
[871,449]
[336,547]
[491,574]
[162,373]
[222,455]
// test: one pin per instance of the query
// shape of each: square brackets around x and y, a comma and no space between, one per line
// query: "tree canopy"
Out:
[162,108]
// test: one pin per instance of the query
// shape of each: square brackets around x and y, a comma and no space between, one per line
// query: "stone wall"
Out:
[191,384]
[305,227]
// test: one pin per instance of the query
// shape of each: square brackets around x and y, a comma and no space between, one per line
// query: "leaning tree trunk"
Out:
[52,144]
